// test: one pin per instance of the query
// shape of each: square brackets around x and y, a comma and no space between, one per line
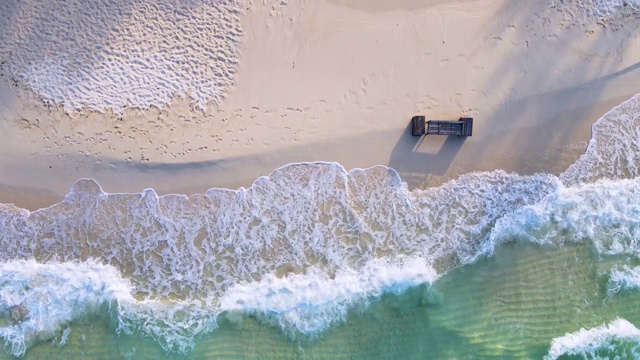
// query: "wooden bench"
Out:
[462,127]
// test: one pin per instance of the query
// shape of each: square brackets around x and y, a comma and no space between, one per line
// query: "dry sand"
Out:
[339,80]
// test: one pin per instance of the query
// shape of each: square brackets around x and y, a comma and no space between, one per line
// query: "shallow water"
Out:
[507,306]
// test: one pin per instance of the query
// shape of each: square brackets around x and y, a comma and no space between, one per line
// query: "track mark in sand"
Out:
[29,124]
[367,82]
[350,95]
[469,111]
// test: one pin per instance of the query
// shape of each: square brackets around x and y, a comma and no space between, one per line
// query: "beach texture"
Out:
[237,179]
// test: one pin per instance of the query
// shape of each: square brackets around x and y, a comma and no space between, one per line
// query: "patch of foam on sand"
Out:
[112,54]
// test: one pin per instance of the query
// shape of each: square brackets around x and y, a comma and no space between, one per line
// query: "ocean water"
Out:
[316,262]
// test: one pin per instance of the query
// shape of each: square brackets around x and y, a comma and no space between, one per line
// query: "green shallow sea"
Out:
[507,306]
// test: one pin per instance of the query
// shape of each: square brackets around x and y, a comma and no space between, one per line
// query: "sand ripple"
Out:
[117,53]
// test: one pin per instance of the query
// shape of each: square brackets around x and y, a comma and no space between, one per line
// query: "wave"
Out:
[307,226]
[605,213]
[308,304]
[618,340]
[37,300]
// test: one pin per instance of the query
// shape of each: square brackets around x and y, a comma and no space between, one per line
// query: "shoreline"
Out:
[339,82]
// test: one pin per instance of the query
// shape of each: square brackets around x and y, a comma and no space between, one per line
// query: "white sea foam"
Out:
[113,54]
[605,213]
[308,304]
[614,149]
[602,342]
[624,278]
[358,234]
[38,300]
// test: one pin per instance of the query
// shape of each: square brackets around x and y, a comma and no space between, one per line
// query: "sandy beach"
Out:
[339,81]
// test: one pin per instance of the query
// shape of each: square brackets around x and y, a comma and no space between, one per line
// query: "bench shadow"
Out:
[417,159]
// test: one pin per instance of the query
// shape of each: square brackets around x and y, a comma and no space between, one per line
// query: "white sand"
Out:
[110,54]
[337,80]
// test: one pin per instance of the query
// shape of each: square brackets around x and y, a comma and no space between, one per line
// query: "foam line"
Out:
[614,149]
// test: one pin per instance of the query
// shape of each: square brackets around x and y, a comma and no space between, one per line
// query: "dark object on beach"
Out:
[462,127]
[417,126]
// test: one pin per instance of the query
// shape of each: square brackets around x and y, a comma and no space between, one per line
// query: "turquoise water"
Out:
[508,306]
[316,262]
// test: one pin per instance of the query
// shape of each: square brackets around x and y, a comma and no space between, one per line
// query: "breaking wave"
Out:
[618,340]
[313,239]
